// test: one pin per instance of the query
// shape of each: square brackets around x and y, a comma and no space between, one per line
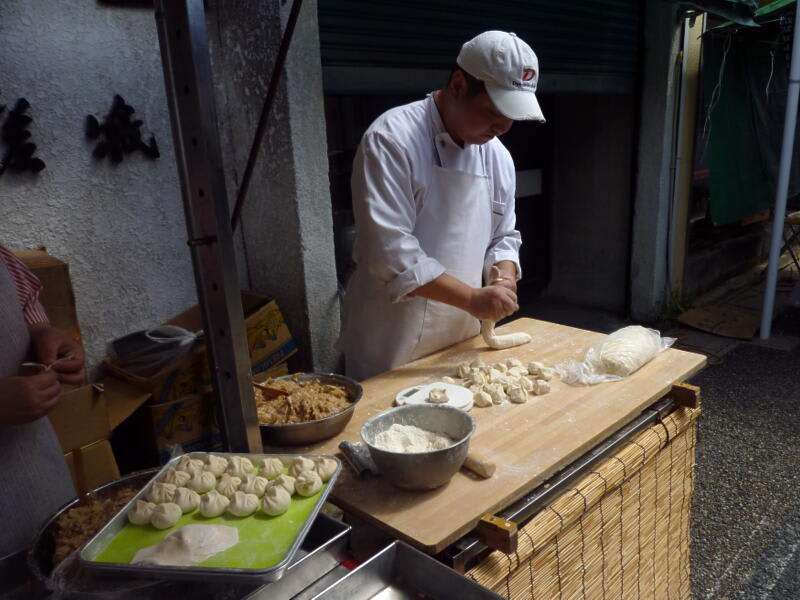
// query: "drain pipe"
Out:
[782,191]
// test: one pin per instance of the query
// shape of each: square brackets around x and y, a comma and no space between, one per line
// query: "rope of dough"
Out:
[499,342]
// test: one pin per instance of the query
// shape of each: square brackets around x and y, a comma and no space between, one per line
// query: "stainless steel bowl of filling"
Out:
[315,430]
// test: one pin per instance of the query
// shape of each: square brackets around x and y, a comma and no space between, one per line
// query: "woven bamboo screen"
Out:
[621,533]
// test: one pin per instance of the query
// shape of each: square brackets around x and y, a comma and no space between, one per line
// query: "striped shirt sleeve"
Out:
[28,287]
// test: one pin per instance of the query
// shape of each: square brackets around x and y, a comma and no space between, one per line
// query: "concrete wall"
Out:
[120,228]
[592,162]
[649,256]
[287,222]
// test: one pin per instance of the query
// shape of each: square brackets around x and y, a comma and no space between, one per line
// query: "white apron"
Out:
[454,226]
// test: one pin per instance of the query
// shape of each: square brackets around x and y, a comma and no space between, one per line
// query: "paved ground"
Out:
[746,513]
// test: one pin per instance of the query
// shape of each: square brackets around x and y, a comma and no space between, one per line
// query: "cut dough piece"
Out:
[478,377]
[438,396]
[448,380]
[477,363]
[546,373]
[517,394]
[499,342]
[535,368]
[497,393]
[502,367]
[513,362]
[516,371]
[482,399]
[526,383]
[463,370]
[541,387]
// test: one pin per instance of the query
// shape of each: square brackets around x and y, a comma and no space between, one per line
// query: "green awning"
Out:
[738,11]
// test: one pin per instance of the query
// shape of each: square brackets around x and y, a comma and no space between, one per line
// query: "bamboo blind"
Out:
[621,533]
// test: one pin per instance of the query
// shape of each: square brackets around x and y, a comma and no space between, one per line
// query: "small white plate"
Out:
[458,396]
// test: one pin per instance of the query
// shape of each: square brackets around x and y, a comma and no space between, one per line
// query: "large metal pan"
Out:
[310,432]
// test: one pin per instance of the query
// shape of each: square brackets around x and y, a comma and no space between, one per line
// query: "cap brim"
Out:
[515,105]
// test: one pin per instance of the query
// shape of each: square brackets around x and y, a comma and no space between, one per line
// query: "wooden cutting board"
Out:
[529,442]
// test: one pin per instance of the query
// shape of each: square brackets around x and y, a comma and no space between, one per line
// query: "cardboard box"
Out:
[81,417]
[57,296]
[268,340]
[99,465]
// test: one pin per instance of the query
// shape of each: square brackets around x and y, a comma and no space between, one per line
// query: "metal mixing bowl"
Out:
[421,470]
[310,432]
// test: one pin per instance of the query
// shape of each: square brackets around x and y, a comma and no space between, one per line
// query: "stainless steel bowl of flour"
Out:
[421,470]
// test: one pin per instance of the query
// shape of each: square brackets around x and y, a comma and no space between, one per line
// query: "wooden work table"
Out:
[529,442]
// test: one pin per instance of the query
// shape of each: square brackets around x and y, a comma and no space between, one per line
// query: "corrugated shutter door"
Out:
[398,46]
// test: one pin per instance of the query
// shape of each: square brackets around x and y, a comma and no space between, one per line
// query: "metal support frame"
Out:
[185,58]
[469,550]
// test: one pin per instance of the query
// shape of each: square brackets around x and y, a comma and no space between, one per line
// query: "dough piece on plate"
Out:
[325,467]
[438,396]
[243,505]
[165,515]
[499,342]
[285,481]
[541,387]
[300,464]
[308,483]
[213,504]
[517,394]
[228,485]
[216,464]
[271,467]
[141,512]
[161,492]
[202,481]
[481,399]
[187,499]
[276,501]
[179,478]
[239,466]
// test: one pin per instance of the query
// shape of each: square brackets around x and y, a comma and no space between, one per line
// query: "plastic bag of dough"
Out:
[615,356]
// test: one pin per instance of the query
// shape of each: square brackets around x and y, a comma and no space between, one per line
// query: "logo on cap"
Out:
[528,74]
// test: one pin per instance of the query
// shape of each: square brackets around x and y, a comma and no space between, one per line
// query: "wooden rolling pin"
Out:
[480,465]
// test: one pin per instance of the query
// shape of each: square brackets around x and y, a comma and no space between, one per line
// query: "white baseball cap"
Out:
[509,69]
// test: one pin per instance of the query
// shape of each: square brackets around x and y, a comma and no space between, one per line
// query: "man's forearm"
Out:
[447,289]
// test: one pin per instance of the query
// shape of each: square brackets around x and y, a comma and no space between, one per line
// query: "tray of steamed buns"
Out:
[216,517]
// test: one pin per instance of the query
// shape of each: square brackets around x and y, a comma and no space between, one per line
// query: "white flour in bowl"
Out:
[409,439]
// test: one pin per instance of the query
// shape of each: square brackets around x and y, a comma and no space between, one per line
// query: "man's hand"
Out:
[492,303]
[51,346]
[25,399]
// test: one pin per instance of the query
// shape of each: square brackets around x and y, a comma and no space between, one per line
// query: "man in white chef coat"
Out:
[433,195]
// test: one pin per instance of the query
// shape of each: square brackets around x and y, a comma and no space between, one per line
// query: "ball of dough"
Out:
[254,484]
[271,468]
[188,464]
[187,499]
[308,483]
[438,396]
[213,504]
[546,373]
[526,383]
[494,375]
[300,464]
[165,515]
[202,481]
[477,364]
[497,393]
[239,466]
[481,399]
[141,512]
[541,387]
[285,481]
[478,377]
[228,485]
[463,370]
[161,492]
[243,505]
[535,368]
[517,394]
[179,478]
[276,501]
[216,464]
[325,467]
[518,371]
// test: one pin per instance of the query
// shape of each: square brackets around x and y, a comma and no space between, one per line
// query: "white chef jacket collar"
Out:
[439,131]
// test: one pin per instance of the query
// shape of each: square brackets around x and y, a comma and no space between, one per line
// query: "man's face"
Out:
[475,120]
